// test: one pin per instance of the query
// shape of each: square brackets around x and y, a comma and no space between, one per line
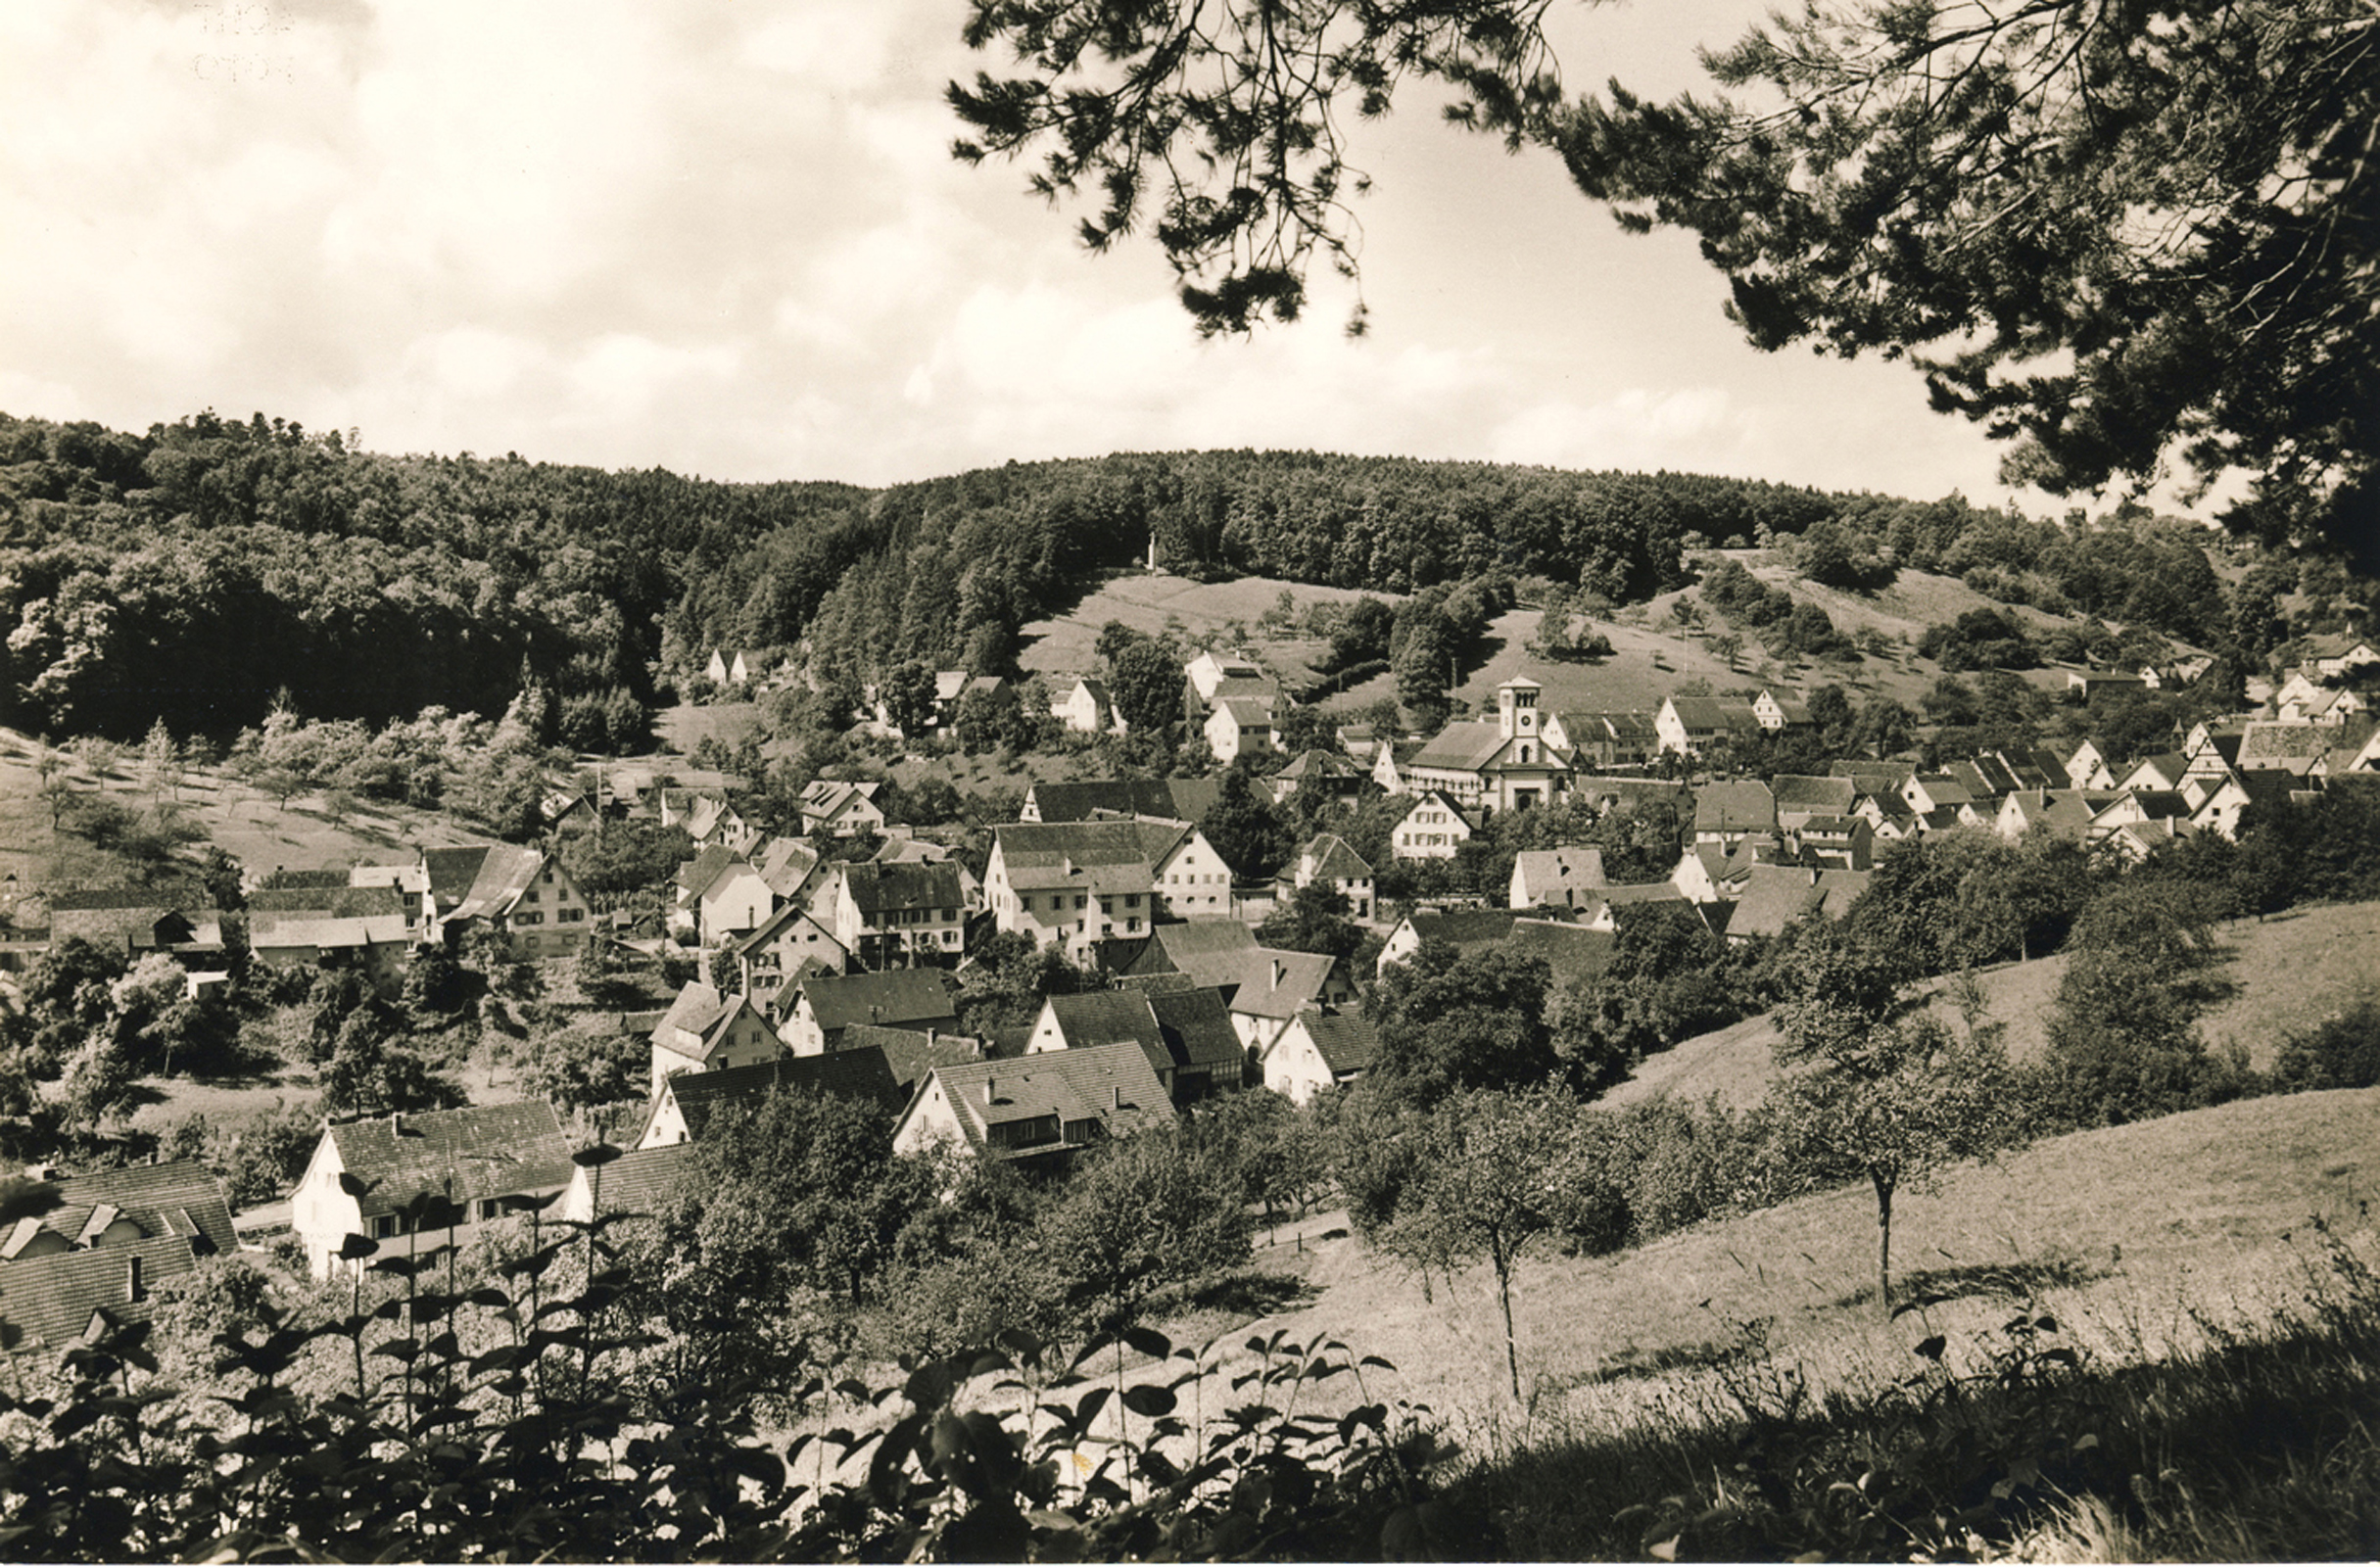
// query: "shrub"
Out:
[2342,1052]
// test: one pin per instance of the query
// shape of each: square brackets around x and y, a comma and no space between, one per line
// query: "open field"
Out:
[2290,973]
[1146,600]
[2123,1233]
[247,824]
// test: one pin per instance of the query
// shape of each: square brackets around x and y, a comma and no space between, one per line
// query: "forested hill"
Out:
[194,571]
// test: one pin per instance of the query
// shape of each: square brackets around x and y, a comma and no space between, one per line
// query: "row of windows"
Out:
[485,1209]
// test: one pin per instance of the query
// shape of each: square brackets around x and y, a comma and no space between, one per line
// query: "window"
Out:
[384,1225]
[529,917]
[571,916]
[491,1208]
[529,896]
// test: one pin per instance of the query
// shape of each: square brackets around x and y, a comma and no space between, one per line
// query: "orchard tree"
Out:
[1892,1099]
[1447,1021]
[2111,235]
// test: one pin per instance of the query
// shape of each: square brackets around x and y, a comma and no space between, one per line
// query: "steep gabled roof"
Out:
[1571,953]
[879,886]
[1063,854]
[1819,797]
[1740,805]
[47,1302]
[480,1150]
[642,1180]
[864,1074]
[1774,897]
[1112,1085]
[453,871]
[179,1198]
[894,997]
[1466,930]
[696,1007]
[911,1053]
[1331,860]
[785,864]
[1180,800]
[1346,1042]
[1554,871]
[503,876]
[1277,983]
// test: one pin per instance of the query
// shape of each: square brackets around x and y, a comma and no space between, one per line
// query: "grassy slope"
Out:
[2128,1231]
[1143,600]
[2289,973]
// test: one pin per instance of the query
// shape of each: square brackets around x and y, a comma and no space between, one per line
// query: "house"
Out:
[1890,820]
[1320,1049]
[1326,860]
[1557,878]
[1715,872]
[469,1162]
[731,666]
[682,1105]
[1928,793]
[1836,842]
[92,1261]
[1389,766]
[1074,884]
[1572,954]
[889,914]
[2138,807]
[1502,765]
[1688,725]
[521,894]
[1780,715]
[840,809]
[131,922]
[1798,796]
[641,1181]
[1599,740]
[1086,708]
[826,1005]
[2087,768]
[1732,810]
[2058,813]
[1188,1035]
[2162,772]
[1240,724]
[1210,676]
[1174,799]
[1883,777]
[1358,741]
[1466,930]
[1602,913]
[2135,841]
[787,946]
[1045,1107]
[952,686]
[2300,750]
[707,818]
[706,1031]
[1328,773]
[1777,895]
[120,1206]
[734,898]
[2220,809]
[1259,982]
[1275,985]
[2334,655]
[2082,684]
[377,946]
[1432,828]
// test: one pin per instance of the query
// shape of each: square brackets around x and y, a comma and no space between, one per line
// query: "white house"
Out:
[1557,877]
[470,1159]
[1432,828]
[706,1031]
[1320,1050]
[1088,709]
[1240,724]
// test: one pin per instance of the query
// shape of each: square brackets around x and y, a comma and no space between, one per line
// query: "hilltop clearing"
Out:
[2288,974]
[1220,613]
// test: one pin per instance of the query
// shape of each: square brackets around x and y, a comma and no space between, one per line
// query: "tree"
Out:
[1244,828]
[1894,1101]
[908,697]
[1447,1021]
[1145,678]
[1139,1214]
[1313,919]
[2109,235]
[55,786]
[161,762]
[1489,1177]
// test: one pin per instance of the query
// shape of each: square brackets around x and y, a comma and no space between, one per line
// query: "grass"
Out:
[2288,974]
[2165,1251]
[1063,644]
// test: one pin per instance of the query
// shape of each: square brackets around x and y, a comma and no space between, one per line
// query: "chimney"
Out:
[396,1124]
[1281,972]
[1115,1096]
[134,1288]
[991,1089]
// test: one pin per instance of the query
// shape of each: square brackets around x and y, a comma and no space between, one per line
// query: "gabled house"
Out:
[2221,810]
[898,914]
[1074,885]
[1799,796]
[1188,1035]
[1274,986]
[1604,913]
[1044,1108]
[2132,807]
[1780,715]
[731,666]
[1466,930]
[1210,676]
[2058,813]
[2164,771]
[1834,842]
[1732,810]
[790,945]
[684,1105]
[1326,860]
[825,1006]
[131,922]
[471,1161]
[1432,828]
[2087,768]
[1320,1050]
[1777,895]
[522,894]
[734,900]
[1561,879]
[1326,773]
[839,807]
[1600,739]
[93,1261]
[1572,954]
[2301,750]
[2335,655]
[641,1181]
[1715,872]
[1688,725]
[1086,708]
[1928,793]
[706,1031]
[1240,724]
[376,946]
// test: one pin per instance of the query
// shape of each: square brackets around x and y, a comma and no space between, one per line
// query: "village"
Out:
[822,973]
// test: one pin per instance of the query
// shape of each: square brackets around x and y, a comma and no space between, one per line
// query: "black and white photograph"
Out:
[1189,780]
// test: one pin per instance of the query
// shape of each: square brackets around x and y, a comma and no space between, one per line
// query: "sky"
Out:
[726,237]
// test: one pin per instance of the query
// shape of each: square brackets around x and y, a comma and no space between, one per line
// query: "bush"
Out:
[2342,1052]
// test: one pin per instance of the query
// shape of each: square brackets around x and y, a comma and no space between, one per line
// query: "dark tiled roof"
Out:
[910,1053]
[180,1197]
[697,874]
[1463,747]
[1467,929]
[1179,799]
[1334,861]
[1111,1085]
[879,886]
[1741,805]
[46,1303]
[337,902]
[1346,1042]
[1571,953]
[1801,791]
[894,997]
[451,872]
[640,1181]
[480,1150]
[1196,1028]
[864,1074]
